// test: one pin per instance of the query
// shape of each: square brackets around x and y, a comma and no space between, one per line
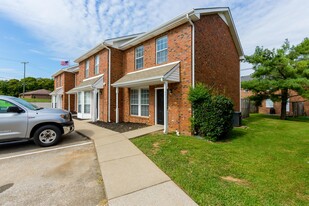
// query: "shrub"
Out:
[212,113]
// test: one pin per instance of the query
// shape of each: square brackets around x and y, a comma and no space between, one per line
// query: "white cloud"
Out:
[70,27]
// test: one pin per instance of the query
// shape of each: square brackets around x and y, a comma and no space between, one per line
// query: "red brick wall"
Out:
[216,58]
[277,105]
[68,84]
[117,73]
[103,69]
[179,108]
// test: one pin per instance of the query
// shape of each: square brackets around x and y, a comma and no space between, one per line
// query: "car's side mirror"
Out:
[14,109]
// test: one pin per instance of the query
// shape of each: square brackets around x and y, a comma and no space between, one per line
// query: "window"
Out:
[288,105]
[60,82]
[139,102]
[96,64]
[79,102]
[86,102]
[139,57]
[144,102]
[134,101]
[87,69]
[269,103]
[4,105]
[161,48]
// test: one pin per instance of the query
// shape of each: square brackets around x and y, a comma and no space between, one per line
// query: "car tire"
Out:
[47,135]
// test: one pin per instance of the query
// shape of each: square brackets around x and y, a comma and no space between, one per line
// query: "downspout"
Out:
[193,50]
[109,83]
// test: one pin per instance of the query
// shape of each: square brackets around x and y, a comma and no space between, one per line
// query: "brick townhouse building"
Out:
[64,80]
[146,77]
[296,105]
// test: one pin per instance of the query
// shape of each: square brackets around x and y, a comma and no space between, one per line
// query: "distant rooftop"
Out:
[246,78]
[38,92]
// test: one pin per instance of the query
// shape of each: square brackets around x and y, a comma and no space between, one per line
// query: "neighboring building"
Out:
[146,77]
[37,94]
[64,80]
[296,105]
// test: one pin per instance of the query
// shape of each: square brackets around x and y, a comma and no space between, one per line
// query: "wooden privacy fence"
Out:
[298,109]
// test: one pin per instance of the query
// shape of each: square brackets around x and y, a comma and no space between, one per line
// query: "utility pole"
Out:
[24,83]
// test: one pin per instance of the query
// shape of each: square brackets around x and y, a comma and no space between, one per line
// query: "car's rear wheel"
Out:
[47,135]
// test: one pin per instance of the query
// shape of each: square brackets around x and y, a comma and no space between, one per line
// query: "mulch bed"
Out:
[120,127]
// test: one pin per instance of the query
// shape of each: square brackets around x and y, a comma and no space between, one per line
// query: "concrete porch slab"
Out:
[117,150]
[165,194]
[130,174]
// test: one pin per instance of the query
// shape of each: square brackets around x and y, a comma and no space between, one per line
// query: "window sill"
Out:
[144,117]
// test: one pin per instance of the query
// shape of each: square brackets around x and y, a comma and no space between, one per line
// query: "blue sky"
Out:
[45,32]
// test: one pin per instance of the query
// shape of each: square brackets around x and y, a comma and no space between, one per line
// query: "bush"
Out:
[213,113]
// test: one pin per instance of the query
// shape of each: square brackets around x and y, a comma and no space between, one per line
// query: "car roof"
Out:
[6,97]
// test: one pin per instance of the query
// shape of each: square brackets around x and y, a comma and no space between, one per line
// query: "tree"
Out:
[278,71]
[14,87]
[45,83]
[31,83]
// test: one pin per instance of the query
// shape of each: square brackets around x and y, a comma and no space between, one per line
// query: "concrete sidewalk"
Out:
[130,177]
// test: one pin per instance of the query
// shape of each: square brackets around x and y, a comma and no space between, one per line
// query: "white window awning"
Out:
[88,85]
[57,91]
[150,76]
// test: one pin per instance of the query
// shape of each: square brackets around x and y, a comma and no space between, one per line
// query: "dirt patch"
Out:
[156,145]
[235,180]
[183,152]
[120,127]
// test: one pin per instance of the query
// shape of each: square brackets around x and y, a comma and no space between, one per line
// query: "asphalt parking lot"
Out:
[66,174]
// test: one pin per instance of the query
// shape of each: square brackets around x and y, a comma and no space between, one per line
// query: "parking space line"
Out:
[47,150]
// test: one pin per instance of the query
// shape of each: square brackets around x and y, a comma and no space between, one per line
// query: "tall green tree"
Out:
[45,83]
[14,87]
[278,71]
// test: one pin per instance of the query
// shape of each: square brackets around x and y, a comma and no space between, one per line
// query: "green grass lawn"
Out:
[36,100]
[264,163]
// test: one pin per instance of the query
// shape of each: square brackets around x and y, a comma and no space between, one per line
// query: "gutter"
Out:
[193,50]
[109,82]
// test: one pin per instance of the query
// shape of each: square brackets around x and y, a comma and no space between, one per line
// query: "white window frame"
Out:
[96,64]
[131,91]
[269,103]
[140,101]
[139,57]
[87,69]
[158,51]
[85,100]
[79,102]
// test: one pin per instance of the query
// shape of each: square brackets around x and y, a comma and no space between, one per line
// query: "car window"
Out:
[25,103]
[4,105]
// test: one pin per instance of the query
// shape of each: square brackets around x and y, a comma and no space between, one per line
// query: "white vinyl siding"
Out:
[96,64]
[139,102]
[139,57]
[87,69]
[161,50]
